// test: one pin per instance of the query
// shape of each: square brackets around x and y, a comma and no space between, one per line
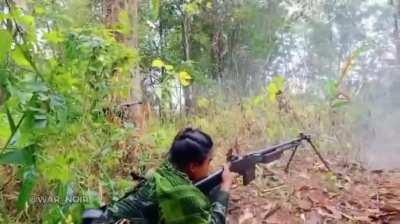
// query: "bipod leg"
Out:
[319,154]
[290,159]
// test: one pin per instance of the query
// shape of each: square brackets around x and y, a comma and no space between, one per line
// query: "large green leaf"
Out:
[23,156]
[28,182]
[19,58]
[27,20]
[13,127]
[5,131]
[3,95]
[5,43]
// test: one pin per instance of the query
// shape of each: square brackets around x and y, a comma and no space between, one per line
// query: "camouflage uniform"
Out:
[173,199]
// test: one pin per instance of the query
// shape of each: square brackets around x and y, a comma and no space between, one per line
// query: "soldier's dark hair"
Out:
[190,145]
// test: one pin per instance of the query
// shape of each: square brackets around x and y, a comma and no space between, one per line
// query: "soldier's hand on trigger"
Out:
[227,178]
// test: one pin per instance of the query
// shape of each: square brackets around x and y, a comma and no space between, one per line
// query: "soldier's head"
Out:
[191,152]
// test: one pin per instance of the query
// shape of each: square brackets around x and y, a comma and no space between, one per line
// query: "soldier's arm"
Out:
[219,199]
[135,204]
[121,209]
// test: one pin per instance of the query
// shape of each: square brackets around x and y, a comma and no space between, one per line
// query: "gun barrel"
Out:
[280,147]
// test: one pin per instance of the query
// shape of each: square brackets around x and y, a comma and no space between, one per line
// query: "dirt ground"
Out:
[310,194]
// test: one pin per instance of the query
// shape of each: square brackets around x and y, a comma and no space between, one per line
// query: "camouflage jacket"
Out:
[169,197]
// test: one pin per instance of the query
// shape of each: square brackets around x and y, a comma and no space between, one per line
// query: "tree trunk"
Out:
[219,41]
[133,40]
[112,9]
[186,32]
[139,111]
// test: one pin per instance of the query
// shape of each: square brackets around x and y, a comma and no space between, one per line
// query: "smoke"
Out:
[381,129]
[312,53]
[310,50]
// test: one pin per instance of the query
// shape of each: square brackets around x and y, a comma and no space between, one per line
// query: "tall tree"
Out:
[128,10]
[186,46]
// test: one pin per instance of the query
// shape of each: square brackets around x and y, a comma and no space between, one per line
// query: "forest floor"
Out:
[310,194]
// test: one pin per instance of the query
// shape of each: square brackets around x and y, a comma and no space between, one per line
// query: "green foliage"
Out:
[275,87]
[19,58]
[195,6]
[155,6]
[331,88]
[29,179]
[54,37]
[59,84]
[23,156]
[124,26]
[261,23]
[5,43]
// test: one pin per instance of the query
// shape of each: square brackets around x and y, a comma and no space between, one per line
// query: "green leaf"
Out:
[40,120]
[57,168]
[26,20]
[155,8]
[39,10]
[276,85]
[192,8]
[4,16]
[169,67]
[4,82]
[13,127]
[54,37]
[28,182]
[19,58]
[185,78]
[158,63]
[258,100]
[280,82]
[5,132]
[36,86]
[5,43]
[56,102]
[331,88]
[272,90]
[23,156]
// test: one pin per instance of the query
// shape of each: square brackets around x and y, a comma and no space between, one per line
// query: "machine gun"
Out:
[245,165]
